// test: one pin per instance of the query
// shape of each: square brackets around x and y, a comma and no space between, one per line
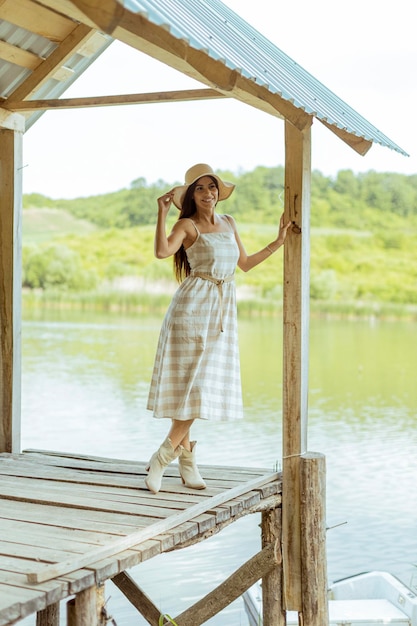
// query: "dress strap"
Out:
[194,224]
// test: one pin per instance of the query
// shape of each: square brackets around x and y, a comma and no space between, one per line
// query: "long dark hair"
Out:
[182,267]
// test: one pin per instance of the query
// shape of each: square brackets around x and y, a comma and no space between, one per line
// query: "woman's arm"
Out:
[165,246]
[248,261]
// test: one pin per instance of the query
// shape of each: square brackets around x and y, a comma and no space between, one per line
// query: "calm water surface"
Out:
[85,384]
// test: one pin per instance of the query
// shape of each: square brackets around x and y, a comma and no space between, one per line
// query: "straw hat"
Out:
[194,173]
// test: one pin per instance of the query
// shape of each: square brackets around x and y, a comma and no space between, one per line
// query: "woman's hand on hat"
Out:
[165,201]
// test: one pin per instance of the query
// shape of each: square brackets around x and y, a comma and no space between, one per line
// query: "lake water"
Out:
[85,383]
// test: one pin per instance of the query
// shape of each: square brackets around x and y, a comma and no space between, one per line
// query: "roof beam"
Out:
[17,56]
[36,19]
[12,121]
[46,70]
[359,144]
[98,101]
[158,42]
[66,7]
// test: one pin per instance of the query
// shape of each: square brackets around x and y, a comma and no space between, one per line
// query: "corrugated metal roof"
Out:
[12,75]
[210,26]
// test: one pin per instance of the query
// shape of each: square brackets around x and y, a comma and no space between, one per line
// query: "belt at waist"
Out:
[219,283]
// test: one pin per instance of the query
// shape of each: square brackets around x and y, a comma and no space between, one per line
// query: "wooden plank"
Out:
[54,590]
[71,499]
[187,95]
[78,519]
[107,483]
[10,288]
[75,581]
[38,553]
[67,8]
[147,533]
[36,19]
[44,488]
[23,532]
[295,345]
[28,600]
[97,462]
[18,56]
[10,612]
[59,455]
[172,483]
[45,70]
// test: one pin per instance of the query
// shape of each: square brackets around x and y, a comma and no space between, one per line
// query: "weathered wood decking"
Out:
[69,522]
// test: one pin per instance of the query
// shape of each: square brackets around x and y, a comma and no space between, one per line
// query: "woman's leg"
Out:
[179,433]
[170,449]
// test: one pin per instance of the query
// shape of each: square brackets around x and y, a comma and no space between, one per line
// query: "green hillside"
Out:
[43,224]
[363,253]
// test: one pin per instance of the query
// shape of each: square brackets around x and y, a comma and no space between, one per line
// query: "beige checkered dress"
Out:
[197,371]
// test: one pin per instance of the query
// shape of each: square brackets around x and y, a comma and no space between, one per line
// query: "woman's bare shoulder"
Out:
[185,224]
[230,220]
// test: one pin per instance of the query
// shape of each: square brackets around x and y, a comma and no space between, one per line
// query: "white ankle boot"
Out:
[188,469]
[159,460]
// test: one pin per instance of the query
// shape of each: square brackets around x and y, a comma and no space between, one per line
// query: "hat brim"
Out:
[225,189]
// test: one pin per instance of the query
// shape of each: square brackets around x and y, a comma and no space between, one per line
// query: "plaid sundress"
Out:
[196,372]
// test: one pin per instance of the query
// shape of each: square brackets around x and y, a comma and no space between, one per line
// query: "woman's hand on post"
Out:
[283,229]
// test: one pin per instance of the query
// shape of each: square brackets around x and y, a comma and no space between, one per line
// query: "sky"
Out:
[365,51]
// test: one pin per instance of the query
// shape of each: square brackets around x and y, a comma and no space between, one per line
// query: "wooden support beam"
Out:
[12,121]
[295,348]
[137,597]
[10,288]
[254,569]
[231,589]
[79,35]
[273,611]
[123,99]
[49,616]
[313,539]
[18,56]
[67,8]
[36,19]
[359,144]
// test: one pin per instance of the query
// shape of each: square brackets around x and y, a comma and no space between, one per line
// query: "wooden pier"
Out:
[69,522]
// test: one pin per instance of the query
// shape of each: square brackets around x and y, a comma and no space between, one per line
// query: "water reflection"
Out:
[85,383]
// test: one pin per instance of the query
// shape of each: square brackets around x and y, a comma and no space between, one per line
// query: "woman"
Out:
[196,372]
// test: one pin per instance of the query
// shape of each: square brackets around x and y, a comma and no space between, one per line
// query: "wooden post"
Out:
[313,539]
[82,610]
[10,287]
[295,349]
[49,616]
[102,616]
[71,612]
[273,612]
